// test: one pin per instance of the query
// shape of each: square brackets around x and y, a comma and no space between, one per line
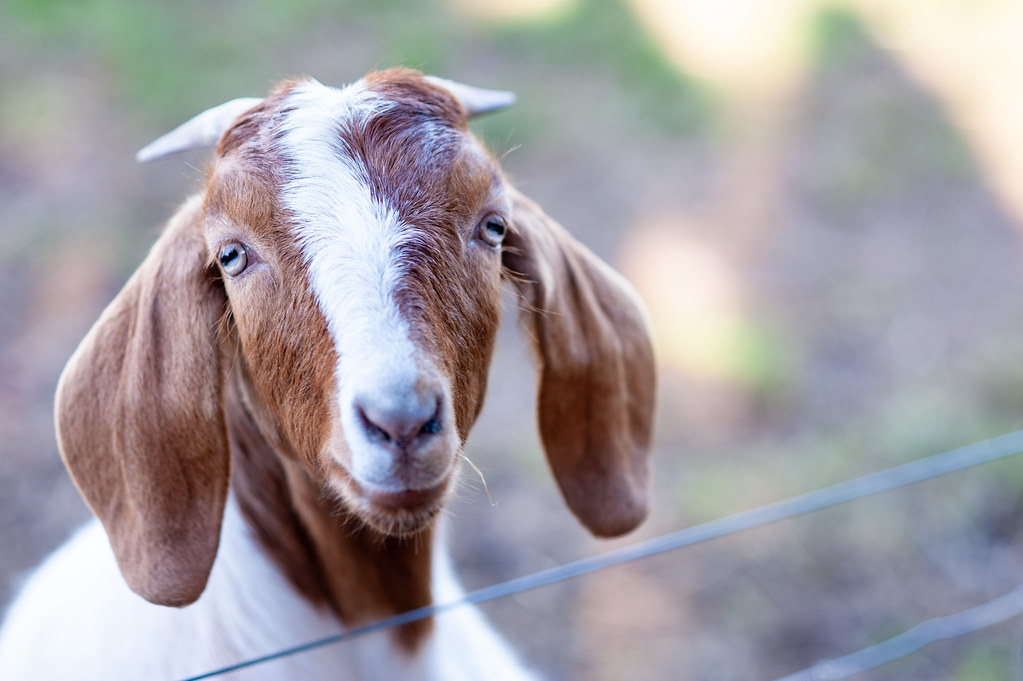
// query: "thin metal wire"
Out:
[850,490]
[979,617]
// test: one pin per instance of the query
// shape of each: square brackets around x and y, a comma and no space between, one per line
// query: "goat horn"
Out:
[200,132]
[476,100]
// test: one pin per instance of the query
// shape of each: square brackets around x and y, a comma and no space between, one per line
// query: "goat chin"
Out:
[268,419]
[397,514]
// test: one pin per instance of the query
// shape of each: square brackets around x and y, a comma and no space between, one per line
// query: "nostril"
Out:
[373,431]
[431,427]
[400,422]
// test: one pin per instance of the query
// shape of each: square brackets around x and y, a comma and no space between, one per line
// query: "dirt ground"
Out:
[835,287]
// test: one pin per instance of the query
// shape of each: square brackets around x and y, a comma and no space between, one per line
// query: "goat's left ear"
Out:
[597,373]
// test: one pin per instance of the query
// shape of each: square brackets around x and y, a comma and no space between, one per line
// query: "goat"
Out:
[267,420]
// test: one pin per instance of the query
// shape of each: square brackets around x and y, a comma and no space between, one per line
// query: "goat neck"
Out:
[330,556]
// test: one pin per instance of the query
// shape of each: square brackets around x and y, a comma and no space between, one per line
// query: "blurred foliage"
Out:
[156,51]
[896,145]
[760,361]
[985,662]
[836,36]
[605,33]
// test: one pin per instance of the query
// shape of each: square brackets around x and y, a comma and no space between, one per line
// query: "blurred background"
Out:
[821,203]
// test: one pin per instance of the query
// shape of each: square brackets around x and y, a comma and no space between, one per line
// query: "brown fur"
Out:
[321,548]
[139,422]
[597,372]
[188,372]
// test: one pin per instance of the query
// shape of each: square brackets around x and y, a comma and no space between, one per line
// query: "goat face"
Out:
[363,279]
[340,277]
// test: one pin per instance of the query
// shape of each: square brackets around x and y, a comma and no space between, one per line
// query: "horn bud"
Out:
[476,100]
[201,132]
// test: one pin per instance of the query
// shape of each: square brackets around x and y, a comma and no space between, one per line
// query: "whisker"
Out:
[482,479]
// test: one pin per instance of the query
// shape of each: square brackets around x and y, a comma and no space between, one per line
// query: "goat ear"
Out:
[140,423]
[597,373]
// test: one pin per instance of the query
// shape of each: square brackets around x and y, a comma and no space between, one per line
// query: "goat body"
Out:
[267,420]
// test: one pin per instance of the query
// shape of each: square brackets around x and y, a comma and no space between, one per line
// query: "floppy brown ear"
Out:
[140,424]
[597,373]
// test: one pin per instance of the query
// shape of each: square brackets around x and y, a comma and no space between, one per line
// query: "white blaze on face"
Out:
[348,239]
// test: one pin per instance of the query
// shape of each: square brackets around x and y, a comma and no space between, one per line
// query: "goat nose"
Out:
[400,423]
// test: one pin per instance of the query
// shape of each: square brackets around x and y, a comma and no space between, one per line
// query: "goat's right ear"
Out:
[140,423]
[597,373]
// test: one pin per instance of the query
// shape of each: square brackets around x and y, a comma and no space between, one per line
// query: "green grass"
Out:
[605,35]
[167,57]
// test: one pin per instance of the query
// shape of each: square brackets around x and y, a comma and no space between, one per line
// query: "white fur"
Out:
[349,240]
[76,619]
[464,647]
[100,629]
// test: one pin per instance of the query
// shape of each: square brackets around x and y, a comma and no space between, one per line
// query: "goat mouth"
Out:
[400,513]
[405,499]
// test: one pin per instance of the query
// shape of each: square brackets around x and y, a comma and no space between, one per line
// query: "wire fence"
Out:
[968,621]
[889,479]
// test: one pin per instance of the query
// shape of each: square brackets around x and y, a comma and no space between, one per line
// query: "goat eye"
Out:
[233,259]
[493,230]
